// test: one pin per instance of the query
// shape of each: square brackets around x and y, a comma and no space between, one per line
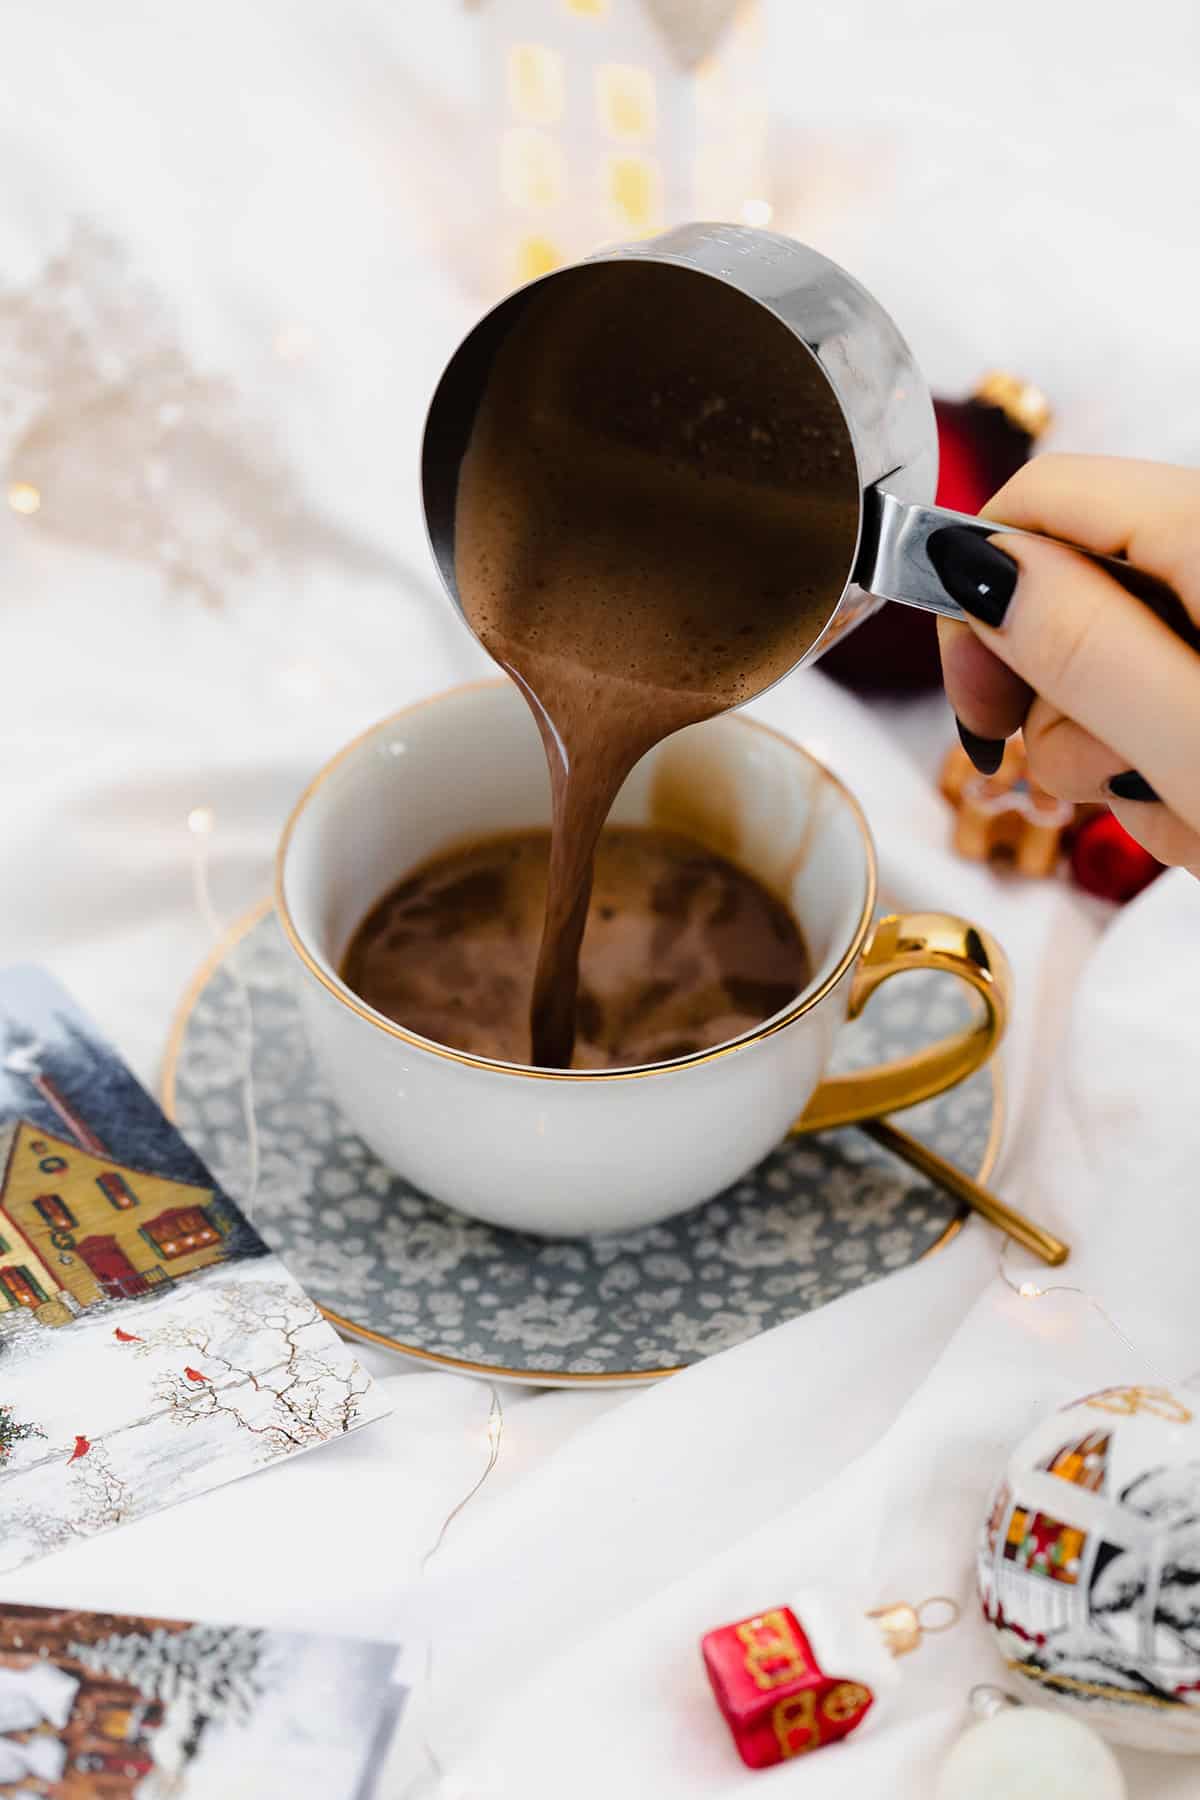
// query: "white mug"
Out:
[565,1152]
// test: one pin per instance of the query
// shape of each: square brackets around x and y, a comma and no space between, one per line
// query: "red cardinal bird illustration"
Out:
[126,1337]
[82,1446]
[195,1375]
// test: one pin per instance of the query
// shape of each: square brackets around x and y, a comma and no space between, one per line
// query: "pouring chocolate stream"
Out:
[651,521]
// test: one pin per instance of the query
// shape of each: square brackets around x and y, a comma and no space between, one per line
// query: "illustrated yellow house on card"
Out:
[77,1227]
[609,120]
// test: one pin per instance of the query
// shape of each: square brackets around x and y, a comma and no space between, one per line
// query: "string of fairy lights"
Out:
[1030,1290]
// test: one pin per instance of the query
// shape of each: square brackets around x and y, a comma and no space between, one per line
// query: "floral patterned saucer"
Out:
[819,1217]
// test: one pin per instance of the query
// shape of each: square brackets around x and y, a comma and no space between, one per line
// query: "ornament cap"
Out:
[902,1626]
[985,1701]
[899,1627]
[1022,404]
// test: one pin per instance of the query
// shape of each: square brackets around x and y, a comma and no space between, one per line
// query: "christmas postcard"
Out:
[145,1709]
[151,1346]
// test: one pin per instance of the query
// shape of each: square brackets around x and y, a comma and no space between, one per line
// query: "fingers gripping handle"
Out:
[895,564]
[917,941]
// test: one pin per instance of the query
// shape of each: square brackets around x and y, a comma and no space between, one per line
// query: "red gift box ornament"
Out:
[777,1700]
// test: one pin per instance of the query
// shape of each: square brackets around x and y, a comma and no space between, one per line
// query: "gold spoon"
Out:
[1042,1243]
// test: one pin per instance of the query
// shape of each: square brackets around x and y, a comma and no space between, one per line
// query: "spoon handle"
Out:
[1041,1242]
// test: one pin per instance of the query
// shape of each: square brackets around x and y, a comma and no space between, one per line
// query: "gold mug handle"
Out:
[917,941]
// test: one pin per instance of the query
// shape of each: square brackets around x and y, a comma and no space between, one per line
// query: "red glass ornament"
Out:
[981,443]
[777,1700]
[1105,860]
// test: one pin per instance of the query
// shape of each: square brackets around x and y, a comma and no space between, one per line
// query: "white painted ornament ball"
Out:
[1089,1565]
[1026,1753]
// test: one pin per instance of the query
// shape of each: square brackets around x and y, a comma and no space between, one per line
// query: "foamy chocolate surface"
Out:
[655,516]
[682,950]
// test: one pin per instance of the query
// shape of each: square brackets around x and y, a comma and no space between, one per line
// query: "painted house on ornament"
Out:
[77,1227]
[1041,1565]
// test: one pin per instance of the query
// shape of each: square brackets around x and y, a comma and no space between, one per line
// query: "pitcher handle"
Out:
[894,562]
[917,941]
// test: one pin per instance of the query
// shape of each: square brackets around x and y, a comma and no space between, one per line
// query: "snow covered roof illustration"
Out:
[57,1146]
[77,1228]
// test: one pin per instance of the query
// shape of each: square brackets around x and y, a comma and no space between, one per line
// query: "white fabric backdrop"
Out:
[1014,186]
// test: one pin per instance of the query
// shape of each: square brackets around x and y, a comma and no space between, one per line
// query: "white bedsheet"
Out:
[290,180]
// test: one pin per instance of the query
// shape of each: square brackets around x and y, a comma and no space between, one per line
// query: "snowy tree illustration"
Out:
[99,1498]
[207,1671]
[14,1431]
[1081,1655]
[101,1495]
[264,1362]
[1170,1499]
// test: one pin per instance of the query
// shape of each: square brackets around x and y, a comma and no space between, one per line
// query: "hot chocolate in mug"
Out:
[567,1152]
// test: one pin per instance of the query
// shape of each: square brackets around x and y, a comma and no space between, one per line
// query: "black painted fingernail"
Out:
[973,572]
[986,753]
[1129,785]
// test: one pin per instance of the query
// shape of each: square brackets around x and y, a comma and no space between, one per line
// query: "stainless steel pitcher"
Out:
[880,393]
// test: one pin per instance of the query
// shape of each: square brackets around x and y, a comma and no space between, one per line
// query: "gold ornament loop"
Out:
[953,1614]
[902,1626]
[899,1627]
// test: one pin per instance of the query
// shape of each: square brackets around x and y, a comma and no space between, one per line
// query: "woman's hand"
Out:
[1109,697]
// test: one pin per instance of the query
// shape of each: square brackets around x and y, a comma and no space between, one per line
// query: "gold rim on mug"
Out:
[778,1022]
[168,1092]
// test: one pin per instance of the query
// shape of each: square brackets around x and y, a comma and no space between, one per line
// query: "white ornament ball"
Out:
[1089,1565]
[1025,1753]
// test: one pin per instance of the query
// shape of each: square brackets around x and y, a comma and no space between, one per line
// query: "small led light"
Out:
[201,820]
[536,256]
[536,84]
[634,187]
[23,497]
[758,213]
[625,101]
[1029,1290]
